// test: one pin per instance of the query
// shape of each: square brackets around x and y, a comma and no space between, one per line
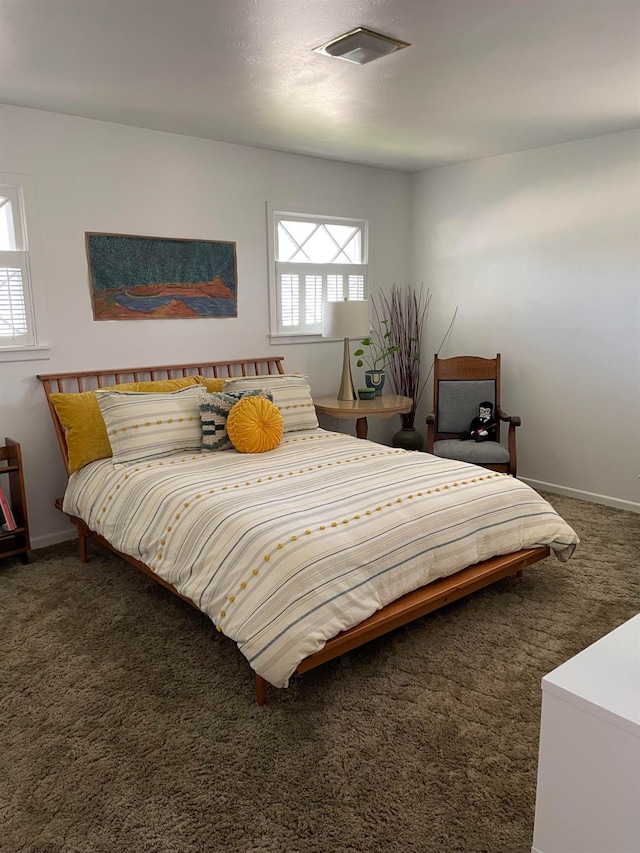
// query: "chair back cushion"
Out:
[458,402]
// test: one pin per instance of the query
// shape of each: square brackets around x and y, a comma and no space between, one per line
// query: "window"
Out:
[313,259]
[17,310]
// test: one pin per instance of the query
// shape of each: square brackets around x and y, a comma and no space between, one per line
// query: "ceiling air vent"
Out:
[361,46]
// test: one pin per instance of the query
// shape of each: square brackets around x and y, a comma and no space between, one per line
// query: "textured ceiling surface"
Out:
[481,78]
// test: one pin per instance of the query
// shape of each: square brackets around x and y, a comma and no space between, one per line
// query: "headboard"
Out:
[89,380]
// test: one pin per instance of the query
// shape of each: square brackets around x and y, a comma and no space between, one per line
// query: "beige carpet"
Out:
[128,724]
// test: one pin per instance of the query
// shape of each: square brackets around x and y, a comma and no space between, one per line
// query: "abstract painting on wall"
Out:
[153,278]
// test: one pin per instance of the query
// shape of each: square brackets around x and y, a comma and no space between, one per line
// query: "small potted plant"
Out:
[376,352]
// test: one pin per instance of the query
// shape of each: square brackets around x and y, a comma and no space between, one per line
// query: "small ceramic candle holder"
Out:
[366,393]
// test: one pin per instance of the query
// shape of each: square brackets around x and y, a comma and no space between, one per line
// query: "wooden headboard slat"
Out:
[271,365]
[89,380]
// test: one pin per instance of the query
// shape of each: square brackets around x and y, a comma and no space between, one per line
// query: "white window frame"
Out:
[25,258]
[303,333]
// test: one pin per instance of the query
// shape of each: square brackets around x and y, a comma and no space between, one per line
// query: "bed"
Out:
[298,554]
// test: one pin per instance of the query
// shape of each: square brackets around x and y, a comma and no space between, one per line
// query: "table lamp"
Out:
[346,320]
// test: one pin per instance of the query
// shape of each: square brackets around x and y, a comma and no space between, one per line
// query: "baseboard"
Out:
[617,503]
[53,539]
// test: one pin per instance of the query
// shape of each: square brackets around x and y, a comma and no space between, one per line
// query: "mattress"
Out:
[284,550]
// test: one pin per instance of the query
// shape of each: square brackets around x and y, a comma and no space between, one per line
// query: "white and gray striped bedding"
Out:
[283,550]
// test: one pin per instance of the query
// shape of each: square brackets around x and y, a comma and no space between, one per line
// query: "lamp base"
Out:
[346,391]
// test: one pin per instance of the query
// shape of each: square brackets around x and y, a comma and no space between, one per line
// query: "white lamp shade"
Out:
[345,319]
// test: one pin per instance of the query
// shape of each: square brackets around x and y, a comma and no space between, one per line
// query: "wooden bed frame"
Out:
[405,609]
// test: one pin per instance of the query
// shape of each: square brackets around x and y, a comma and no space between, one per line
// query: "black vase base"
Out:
[408,439]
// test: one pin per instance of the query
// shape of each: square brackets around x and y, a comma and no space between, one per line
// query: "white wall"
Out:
[96,176]
[541,251]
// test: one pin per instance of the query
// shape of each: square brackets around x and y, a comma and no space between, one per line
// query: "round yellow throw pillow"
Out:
[255,425]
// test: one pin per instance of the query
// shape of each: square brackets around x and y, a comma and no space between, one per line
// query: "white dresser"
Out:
[588,796]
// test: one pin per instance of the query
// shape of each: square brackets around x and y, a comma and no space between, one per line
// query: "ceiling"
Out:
[482,77]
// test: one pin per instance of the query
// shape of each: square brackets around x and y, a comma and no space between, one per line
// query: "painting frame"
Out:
[140,277]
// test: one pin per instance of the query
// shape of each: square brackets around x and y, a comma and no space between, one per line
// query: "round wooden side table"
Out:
[359,410]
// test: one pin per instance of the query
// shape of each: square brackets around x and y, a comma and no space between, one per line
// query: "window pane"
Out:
[291,238]
[313,300]
[348,243]
[7,231]
[321,248]
[356,287]
[13,312]
[335,290]
[286,246]
[353,249]
[299,230]
[318,243]
[290,300]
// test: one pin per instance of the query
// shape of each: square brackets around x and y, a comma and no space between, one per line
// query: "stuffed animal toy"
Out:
[483,428]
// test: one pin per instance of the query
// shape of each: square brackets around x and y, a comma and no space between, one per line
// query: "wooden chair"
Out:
[460,384]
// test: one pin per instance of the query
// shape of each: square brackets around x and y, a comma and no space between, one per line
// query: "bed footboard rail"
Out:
[416,604]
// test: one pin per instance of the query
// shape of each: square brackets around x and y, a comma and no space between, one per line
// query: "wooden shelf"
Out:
[14,542]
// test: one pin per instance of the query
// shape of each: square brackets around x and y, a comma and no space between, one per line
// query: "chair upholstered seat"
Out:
[476,452]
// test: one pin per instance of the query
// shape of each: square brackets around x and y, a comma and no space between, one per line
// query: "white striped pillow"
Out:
[143,426]
[291,394]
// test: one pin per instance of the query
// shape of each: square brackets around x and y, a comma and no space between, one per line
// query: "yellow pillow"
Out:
[255,425]
[85,430]
[157,386]
[213,384]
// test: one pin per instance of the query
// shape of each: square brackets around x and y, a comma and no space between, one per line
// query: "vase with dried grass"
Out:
[404,311]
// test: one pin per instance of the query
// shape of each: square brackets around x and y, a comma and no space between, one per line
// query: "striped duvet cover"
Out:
[283,550]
